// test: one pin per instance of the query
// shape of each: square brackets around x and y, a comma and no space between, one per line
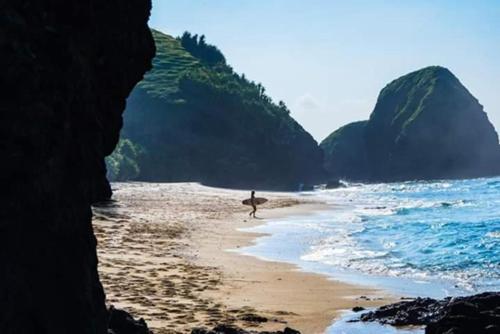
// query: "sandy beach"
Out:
[163,252]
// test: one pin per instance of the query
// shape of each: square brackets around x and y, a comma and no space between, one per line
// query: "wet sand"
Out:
[163,256]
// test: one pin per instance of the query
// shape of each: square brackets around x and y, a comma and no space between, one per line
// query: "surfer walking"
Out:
[253,204]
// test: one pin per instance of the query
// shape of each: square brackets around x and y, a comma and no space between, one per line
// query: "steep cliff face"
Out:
[428,125]
[67,68]
[425,125]
[345,152]
[197,120]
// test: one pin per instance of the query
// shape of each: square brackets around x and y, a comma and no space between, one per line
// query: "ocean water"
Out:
[435,239]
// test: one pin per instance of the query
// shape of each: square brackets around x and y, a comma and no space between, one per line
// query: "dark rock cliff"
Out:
[67,68]
[425,125]
[345,153]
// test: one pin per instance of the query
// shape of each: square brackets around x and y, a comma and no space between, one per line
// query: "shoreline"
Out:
[310,301]
[164,255]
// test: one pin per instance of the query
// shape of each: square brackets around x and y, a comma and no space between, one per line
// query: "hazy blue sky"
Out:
[329,59]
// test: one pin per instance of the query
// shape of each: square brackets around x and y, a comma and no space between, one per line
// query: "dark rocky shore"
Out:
[476,314]
[121,322]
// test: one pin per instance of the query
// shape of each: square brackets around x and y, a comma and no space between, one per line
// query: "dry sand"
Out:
[163,256]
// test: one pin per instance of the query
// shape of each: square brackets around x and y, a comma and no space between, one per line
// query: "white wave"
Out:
[438,210]
[493,234]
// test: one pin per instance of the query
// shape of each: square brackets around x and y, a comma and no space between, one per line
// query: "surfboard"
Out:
[256,200]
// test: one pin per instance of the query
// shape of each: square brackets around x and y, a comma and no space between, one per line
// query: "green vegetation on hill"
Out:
[425,125]
[171,63]
[123,163]
[198,120]
[199,49]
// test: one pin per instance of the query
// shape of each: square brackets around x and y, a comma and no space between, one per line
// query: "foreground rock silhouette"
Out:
[67,68]
[121,322]
[473,314]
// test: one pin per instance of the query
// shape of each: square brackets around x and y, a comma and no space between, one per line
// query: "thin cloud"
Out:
[308,102]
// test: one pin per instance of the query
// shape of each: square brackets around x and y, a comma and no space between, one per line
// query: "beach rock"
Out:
[250,317]
[473,314]
[67,68]
[121,322]
[226,329]
[417,312]
[358,309]
[289,330]
[425,125]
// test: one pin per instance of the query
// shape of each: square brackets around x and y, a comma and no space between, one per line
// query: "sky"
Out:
[328,60]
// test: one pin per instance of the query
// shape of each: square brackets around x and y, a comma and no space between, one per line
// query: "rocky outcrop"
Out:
[473,314]
[418,312]
[121,322]
[478,314]
[425,125]
[67,68]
